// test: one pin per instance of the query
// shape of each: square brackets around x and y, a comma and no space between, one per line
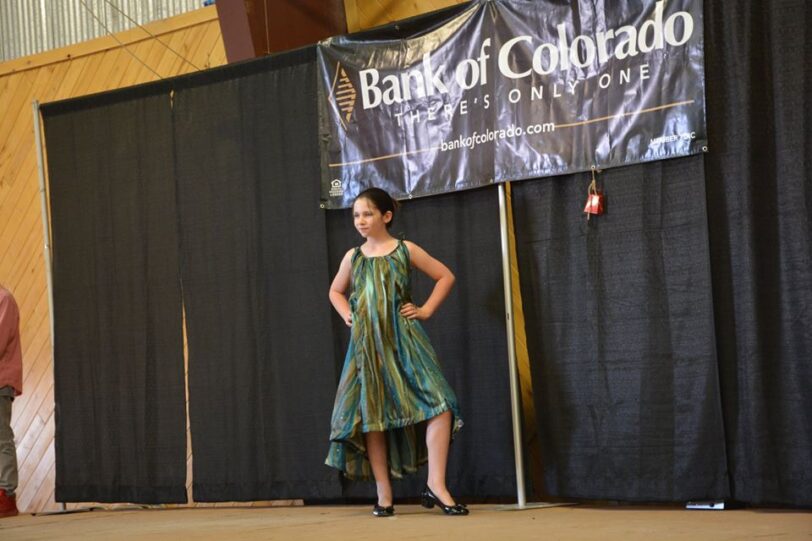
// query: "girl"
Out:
[392,396]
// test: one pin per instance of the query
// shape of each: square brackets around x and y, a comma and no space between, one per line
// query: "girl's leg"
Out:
[376,450]
[438,438]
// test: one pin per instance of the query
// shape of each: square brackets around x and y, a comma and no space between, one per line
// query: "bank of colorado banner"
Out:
[501,90]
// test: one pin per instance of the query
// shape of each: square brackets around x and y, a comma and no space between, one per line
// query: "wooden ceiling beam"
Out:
[254,28]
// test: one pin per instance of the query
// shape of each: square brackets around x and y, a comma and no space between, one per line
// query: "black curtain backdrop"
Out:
[619,320]
[624,358]
[118,349]
[468,333]
[669,338]
[255,281]
[759,192]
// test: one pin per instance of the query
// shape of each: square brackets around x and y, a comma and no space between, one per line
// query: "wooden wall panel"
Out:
[364,14]
[84,68]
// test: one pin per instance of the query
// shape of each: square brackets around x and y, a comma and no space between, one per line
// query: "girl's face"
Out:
[368,219]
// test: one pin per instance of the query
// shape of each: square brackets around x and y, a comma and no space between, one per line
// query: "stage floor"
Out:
[486,522]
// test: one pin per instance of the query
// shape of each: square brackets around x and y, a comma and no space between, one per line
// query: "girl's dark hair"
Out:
[381,200]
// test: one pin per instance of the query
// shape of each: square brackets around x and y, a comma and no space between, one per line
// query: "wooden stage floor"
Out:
[486,522]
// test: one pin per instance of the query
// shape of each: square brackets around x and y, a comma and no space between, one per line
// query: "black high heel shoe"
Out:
[380,511]
[428,500]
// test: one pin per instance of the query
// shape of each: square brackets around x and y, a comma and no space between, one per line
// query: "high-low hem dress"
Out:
[391,380]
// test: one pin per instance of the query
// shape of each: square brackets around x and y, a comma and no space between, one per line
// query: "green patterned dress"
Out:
[391,379]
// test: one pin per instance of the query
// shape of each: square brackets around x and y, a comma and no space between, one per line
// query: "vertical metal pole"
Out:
[46,228]
[46,224]
[515,411]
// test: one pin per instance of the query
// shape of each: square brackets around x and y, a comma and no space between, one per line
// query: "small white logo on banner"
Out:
[335,188]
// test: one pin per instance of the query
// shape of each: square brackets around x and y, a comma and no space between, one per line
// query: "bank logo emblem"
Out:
[335,188]
[343,95]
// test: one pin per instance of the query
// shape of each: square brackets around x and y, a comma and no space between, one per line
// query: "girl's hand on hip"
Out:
[411,311]
[348,320]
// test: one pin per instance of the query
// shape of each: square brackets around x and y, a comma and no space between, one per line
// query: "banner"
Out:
[501,90]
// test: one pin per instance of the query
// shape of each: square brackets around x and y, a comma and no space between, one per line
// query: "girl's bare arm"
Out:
[339,287]
[434,269]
